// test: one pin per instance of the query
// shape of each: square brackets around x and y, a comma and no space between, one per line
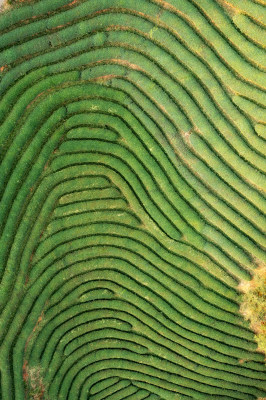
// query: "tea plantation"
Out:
[132,181]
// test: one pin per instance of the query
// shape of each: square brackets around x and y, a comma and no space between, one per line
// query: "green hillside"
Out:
[132,181]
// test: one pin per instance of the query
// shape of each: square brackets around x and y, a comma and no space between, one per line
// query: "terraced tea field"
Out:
[132,182]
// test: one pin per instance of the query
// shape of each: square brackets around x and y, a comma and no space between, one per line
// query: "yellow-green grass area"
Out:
[132,216]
